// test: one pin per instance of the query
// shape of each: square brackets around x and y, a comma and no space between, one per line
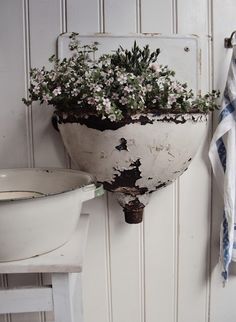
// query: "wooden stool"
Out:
[64,296]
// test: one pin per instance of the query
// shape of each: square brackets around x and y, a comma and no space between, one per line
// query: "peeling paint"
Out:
[126,181]
[161,185]
[97,123]
[137,158]
[122,145]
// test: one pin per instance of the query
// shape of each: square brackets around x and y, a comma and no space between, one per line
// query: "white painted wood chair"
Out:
[64,295]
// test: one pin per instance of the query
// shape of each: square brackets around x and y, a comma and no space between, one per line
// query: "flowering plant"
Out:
[115,86]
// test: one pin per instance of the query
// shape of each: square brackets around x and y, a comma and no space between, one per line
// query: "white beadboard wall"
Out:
[164,270]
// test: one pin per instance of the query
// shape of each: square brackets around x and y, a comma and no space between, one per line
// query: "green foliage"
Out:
[136,60]
[114,86]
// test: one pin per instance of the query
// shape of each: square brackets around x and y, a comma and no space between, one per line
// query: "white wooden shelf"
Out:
[64,295]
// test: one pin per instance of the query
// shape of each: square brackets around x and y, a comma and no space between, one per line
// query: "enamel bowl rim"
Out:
[91,184]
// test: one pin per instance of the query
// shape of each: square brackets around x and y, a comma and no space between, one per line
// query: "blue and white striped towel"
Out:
[223,160]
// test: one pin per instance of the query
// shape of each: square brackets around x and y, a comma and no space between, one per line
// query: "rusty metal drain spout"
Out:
[133,215]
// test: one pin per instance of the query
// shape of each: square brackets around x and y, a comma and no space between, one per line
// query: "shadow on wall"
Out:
[13,140]
[48,146]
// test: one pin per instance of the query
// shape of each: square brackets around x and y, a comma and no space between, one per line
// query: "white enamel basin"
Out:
[40,208]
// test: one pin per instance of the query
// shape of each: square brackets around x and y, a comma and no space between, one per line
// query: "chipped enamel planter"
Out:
[136,157]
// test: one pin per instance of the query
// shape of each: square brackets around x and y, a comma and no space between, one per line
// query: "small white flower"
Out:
[149,87]
[106,102]
[108,82]
[123,100]
[36,90]
[52,76]
[177,87]
[112,117]
[171,99]
[99,107]
[122,79]
[39,75]
[97,88]
[128,89]
[74,92]
[57,91]
[115,96]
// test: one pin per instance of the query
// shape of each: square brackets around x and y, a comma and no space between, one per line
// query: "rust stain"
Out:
[134,212]
[122,145]
[125,181]
[95,122]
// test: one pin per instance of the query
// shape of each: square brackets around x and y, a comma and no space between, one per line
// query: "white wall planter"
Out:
[40,208]
[136,158]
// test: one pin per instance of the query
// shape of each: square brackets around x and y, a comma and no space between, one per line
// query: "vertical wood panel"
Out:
[160,256]
[157,16]
[160,221]
[96,264]
[120,16]
[125,265]
[83,16]
[45,147]
[46,22]
[13,134]
[87,17]
[45,26]
[125,240]
[199,24]
[194,238]
[13,122]
[194,219]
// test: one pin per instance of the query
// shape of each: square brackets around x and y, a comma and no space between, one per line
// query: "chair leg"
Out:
[67,297]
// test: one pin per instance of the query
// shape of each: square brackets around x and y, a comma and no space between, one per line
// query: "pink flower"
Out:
[91,101]
[115,96]
[128,89]
[123,100]
[155,67]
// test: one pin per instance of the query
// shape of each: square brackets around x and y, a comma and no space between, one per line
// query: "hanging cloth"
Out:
[222,155]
